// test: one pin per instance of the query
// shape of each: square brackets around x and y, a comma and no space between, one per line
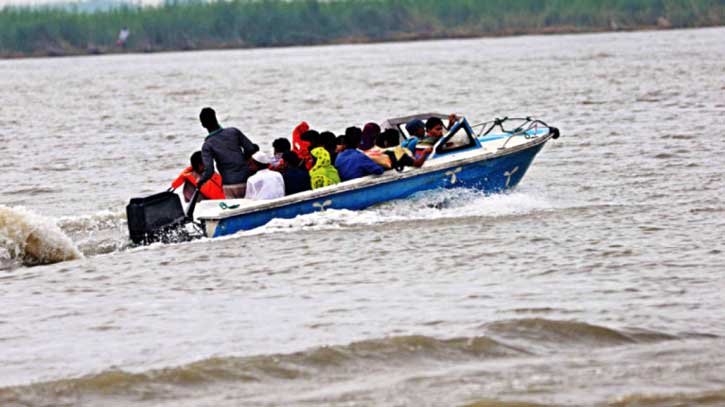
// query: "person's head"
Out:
[339,144]
[327,138]
[434,127]
[416,128]
[352,137]
[381,141]
[208,119]
[312,137]
[392,137]
[369,132]
[197,164]
[291,159]
[321,157]
[260,160]
[281,145]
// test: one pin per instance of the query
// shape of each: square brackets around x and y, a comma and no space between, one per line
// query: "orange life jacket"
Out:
[379,157]
[212,189]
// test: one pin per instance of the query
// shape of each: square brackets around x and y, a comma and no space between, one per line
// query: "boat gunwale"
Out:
[373,180]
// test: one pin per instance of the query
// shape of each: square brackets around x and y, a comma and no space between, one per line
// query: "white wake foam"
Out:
[33,239]
[429,205]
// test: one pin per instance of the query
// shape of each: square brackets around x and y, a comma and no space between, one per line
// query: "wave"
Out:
[501,403]
[31,239]
[309,364]
[323,363]
[702,398]
[555,332]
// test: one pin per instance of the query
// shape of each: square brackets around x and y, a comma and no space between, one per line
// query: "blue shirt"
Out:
[353,164]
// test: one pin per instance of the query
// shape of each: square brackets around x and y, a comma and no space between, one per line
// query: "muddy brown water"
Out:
[597,282]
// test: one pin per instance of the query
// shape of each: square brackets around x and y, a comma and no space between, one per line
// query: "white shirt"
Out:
[265,184]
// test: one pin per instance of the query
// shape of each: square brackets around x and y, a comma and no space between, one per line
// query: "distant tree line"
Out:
[195,24]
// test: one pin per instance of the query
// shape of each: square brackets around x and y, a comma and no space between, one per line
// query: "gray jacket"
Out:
[231,149]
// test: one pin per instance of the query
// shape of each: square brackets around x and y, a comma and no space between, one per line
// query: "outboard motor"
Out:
[158,218]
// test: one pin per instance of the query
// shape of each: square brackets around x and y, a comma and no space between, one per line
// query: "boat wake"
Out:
[428,206]
[27,238]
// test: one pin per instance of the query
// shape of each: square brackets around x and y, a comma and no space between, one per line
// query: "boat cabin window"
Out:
[458,140]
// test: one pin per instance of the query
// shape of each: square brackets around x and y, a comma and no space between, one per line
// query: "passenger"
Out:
[354,132]
[434,129]
[352,163]
[279,146]
[328,141]
[190,177]
[400,156]
[339,144]
[299,146]
[265,183]
[296,177]
[416,128]
[377,152]
[313,140]
[416,131]
[230,149]
[322,173]
[369,132]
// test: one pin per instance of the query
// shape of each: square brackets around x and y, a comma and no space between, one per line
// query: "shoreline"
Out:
[351,40]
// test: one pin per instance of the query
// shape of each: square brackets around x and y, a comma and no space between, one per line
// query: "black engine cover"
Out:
[151,218]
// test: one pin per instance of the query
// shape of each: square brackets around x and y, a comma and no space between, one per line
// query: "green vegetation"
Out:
[253,23]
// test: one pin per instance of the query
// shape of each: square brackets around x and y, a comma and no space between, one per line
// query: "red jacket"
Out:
[210,190]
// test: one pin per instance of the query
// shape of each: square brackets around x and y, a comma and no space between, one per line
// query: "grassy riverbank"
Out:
[263,23]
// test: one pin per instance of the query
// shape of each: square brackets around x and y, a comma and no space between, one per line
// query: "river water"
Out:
[597,282]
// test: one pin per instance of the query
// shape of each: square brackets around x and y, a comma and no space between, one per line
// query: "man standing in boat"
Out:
[231,150]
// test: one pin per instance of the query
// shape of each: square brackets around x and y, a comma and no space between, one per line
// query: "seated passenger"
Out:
[322,173]
[416,128]
[313,140]
[327,139]
[369,132]
[400,156]
[265,183]
[416,131]
[339,144]
[190,176]
[377,152]
[299,146]
[279,146]
[352,163]
[434,129]
[296,177]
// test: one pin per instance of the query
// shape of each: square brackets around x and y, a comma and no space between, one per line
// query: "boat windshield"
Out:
[459,139]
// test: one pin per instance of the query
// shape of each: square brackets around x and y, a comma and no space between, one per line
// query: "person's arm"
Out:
[371,167]
[247,145]
[207,157]
[452,119]
[418,160]
[179,180]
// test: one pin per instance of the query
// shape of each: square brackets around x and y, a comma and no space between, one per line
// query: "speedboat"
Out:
[491,156]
